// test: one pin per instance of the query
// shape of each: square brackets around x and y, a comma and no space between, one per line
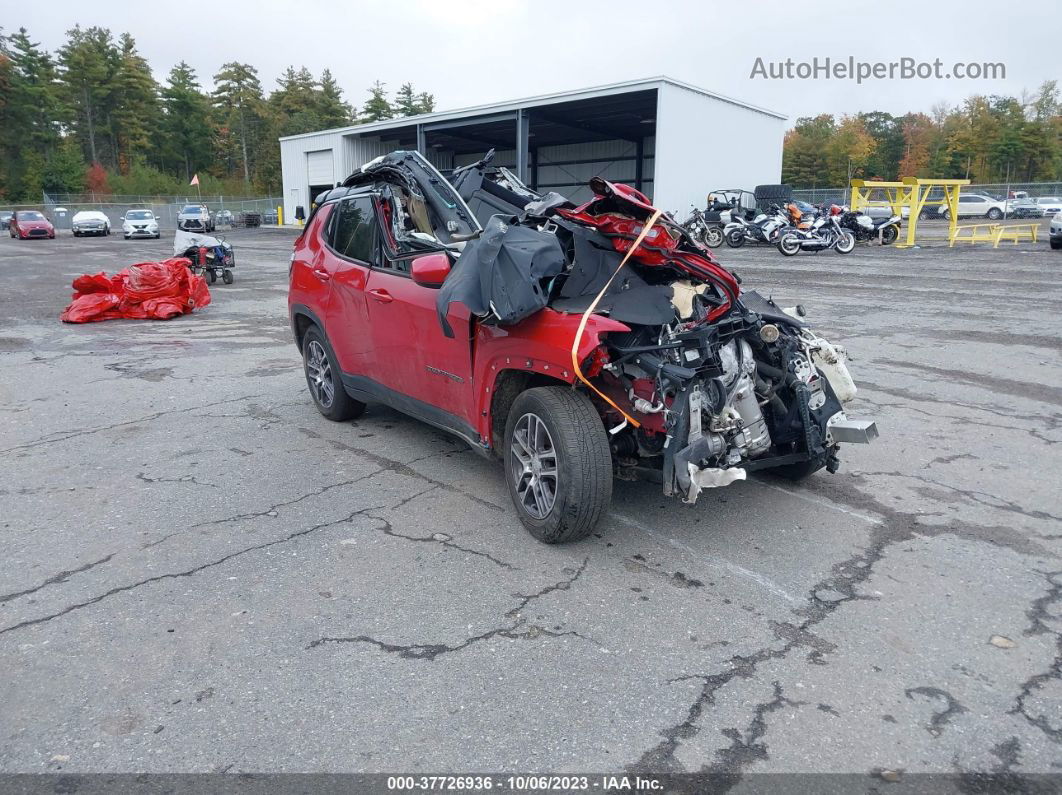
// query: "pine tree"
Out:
[30,111]
[405,103]
[333,111]
[377,108]
[88,65]
[137,107]
[186,124]
[425,102]
[240,111]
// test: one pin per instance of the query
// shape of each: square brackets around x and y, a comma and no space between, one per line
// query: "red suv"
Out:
[576,343]
[30,223]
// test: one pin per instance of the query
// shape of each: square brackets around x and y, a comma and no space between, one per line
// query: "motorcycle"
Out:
[764,228]
[825,232]
[704,231]
[866,228]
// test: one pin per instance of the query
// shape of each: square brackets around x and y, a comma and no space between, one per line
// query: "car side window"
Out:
[353,229]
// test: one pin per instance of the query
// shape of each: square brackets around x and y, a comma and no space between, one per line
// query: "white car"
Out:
[140,223]
[90,222]
[1056,232]
[1050,204]
[977,204]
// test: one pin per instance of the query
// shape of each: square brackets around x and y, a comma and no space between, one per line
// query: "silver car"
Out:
[195,218]
[90,222]
[1051,205]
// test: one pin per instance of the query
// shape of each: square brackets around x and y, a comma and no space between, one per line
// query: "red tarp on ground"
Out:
[155,290]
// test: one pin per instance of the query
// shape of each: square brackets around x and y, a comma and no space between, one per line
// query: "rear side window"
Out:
[352,234]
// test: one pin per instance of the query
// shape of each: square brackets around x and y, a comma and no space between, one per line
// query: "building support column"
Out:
[533,184]
[521,145]
[639,164]
[422,141]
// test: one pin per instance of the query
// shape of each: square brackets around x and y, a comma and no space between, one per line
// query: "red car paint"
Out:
[383,326]
[24,227]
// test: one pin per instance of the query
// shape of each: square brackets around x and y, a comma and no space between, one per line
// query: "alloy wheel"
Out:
[533,465]
[319,374]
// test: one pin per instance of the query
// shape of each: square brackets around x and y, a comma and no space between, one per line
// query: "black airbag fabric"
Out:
[500,274]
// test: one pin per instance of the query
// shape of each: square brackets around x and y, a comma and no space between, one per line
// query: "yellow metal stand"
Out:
[912,193]
[280,216]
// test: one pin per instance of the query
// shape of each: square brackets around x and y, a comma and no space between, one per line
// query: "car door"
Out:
[340,259]
[414,359]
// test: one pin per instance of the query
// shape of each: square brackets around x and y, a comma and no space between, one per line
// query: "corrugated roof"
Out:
[542,99]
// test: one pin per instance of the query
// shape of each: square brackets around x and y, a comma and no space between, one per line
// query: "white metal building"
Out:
[673,141]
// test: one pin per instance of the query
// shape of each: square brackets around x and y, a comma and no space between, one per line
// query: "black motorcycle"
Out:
[863,227]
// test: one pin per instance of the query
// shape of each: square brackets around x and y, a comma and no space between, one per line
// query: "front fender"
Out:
[539,344]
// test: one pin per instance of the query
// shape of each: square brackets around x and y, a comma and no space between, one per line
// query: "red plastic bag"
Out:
[155,290]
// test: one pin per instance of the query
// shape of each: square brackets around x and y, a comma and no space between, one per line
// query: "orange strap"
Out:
[590,310]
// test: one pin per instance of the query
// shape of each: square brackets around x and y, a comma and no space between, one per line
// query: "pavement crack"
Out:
[746,746]
[1039,615]
[441,539]
[561,585]
[62,436]
[272,510]
[518,630]
[55,579]
[940,719]
[186,573]
[182,479]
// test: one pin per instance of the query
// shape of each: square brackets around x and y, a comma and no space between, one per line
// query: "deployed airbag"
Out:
[499,275]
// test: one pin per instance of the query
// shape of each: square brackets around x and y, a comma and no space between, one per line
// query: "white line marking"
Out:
[718,562]
[820,501]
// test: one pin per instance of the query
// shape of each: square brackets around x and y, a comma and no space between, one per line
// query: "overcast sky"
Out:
[469,52]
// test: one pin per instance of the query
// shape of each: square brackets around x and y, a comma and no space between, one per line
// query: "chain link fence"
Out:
[61,208]
[841,195]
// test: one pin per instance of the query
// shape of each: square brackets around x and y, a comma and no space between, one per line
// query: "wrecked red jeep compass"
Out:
[574,342]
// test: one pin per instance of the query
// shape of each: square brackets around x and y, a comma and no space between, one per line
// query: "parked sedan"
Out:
[1051,205]
[1056,231]
[90,222]
[977,204]
[140,223]
[30,223]
[1025,208]
[5,218]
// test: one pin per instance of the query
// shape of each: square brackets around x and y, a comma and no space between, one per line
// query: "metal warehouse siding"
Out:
[705,143]
[293,167]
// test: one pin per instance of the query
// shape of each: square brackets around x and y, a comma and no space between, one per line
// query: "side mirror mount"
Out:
[430,270]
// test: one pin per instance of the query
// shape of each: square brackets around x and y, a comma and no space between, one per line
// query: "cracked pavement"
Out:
[201,573]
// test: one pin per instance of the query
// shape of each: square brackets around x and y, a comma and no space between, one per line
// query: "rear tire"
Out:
[212,275]
[557,463]
[889,235]
[324,382]
[226,276]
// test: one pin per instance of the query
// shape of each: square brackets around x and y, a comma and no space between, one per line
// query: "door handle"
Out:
[382,296]
[321,273]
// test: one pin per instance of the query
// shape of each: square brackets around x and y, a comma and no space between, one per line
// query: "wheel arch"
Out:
[508,384]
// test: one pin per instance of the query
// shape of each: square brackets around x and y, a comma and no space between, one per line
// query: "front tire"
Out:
[322,378]
[789,244]
[845,243]
[226,276]
[735,238]
[1056,243]
[558,464]
[713,238]
[995,214]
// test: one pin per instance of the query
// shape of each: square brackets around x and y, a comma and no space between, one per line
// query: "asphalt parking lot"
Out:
[201,573]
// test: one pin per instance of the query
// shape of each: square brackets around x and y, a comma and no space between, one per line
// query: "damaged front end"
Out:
[706,384]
